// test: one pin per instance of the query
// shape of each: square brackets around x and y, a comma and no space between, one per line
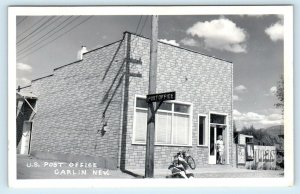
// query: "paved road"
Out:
[33,168]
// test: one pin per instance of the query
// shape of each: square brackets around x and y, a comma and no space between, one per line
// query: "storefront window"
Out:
[216,118]
[202,130]
[172,123]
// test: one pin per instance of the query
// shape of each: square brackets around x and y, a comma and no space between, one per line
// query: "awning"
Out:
[26,95]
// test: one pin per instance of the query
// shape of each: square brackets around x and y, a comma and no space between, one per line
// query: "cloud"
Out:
[236,113]
[190,42]
[23,67]
[273,90]
[257,120]
[222,34]
[236,98]
[240,89]
[275,31]
[23,81]
[172,42]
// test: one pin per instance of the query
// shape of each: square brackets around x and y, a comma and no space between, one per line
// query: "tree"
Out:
[280,94]
[260,136]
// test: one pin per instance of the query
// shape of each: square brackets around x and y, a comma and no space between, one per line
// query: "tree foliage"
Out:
[260,136]
[280,93]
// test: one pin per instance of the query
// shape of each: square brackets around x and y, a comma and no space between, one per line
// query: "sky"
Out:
[253,43]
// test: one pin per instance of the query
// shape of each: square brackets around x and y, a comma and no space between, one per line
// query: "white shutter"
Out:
[140,126]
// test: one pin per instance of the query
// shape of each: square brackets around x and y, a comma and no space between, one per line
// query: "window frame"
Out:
[190,114]
[227,132]
[218,113]
[205,130]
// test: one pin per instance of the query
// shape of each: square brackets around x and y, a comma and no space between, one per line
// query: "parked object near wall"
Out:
[254,157]
[264,158]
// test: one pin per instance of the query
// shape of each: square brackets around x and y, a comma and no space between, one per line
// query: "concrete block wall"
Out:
[76,101]
[204,81]
[71,102]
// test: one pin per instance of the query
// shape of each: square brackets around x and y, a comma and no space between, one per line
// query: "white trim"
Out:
[190,114]
[226,145]
[23,145]
[218,113]
[205,130]
[160,144]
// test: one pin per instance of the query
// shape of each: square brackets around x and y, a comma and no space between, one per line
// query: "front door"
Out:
[215,132]
[26,137]
[212,159]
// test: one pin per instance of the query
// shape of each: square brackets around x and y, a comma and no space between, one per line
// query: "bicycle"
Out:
[188,158]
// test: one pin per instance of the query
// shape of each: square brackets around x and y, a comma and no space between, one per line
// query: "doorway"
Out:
[26,138]
[215,132]
[218,127]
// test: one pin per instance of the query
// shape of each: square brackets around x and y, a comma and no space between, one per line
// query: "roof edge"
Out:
[42,77]
[24,87]
[190,50]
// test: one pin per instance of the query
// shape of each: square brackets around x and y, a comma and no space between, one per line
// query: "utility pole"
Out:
[149,163]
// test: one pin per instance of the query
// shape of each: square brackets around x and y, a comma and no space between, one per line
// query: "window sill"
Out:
[167,145]
[203,146]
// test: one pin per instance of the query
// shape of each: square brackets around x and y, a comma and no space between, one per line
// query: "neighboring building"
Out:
[95,109]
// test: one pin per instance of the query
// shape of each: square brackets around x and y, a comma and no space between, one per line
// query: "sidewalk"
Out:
[219,171]
[33,168]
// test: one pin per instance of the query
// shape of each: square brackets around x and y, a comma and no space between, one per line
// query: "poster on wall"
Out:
[249,152]
[241,154]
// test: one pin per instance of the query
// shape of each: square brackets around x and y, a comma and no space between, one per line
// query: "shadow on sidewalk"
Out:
[132,174]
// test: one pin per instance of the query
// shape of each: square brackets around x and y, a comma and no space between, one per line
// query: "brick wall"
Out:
[204,81]
[72,102]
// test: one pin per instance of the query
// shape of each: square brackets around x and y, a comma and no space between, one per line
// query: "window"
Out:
[173,123]
[216,118]
[202,129]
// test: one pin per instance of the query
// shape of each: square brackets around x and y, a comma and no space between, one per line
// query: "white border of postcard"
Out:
[286,10]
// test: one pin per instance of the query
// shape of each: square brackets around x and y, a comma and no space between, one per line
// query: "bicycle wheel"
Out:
[191,162]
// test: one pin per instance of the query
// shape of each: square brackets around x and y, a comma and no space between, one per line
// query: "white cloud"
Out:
[24,67]
[236,98]
[252,116]
[222,34]
[190,42]
[23,81]
[274,117]
[172,42]
[236,113]
[240,89]
[275,31]
[273,90]
[255,119]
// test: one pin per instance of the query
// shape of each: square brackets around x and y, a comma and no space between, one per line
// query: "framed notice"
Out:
[241,154]
[249,152]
